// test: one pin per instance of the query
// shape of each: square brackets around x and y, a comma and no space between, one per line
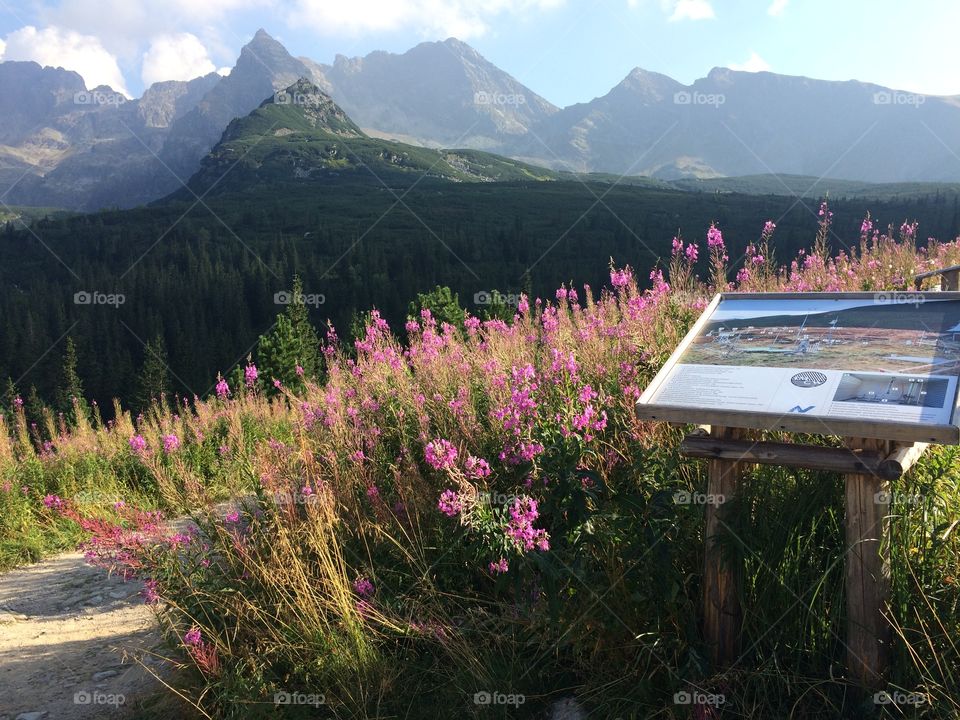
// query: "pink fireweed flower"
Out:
[193,638]
[138,444]
[363,587]
[299,370]
[18,402]
[476,468]
[54,502]
[677,246]
[757,259]
[306,491]
[119,505]
[692,252]
[520,530]
[232,517]
[500,566]
[768,228]
[277,384]
[450,503]
[250,375]
[150,593]
[223,388]
[373,492]
[621,278]
[714,237]
[866,227]
[170,443]
[440,454]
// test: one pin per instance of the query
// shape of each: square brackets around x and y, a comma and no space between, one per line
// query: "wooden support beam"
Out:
[867,573]
[900,460]
[811,457]
[722,611]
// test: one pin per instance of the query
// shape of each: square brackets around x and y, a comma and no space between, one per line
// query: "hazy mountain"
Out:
[438,93]
[63,145]
[736,123]
[66,146]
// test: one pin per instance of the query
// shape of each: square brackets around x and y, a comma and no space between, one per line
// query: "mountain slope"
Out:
[300,135]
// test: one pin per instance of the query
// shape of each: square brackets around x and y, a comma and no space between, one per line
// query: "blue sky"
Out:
[566,50]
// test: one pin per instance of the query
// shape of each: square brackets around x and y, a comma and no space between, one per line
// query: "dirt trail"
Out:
[67,630]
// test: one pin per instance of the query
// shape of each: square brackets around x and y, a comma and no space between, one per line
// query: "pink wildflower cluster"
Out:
[250,375]
[519,416]
[450,503]
[520,528]
[441,454]
[223,388]
[138,444]
[499,567]
[363,587]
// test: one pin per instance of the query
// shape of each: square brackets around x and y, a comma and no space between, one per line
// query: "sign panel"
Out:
[880,365]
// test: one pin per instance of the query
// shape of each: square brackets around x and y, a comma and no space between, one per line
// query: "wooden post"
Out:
[950,280]
[722,612]
[867,573]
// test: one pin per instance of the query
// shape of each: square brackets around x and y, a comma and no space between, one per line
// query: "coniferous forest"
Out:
[192,285]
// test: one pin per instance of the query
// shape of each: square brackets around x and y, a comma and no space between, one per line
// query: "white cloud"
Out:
[224,71]
[175,57]
[688,9]
[754,63]
[68,49]
[459,18]
[777,7]
[3,48]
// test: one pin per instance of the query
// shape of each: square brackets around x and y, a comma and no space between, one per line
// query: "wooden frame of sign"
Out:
[921,394]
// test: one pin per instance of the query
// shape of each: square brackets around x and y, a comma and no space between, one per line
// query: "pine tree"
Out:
[290,352]
[70,388]
[153,383]
[443,304]
[10,395]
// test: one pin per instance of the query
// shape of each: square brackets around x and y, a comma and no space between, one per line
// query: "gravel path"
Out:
[68,634]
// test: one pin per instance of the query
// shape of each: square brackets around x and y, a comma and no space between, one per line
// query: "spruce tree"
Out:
[70,387]
[153,382]
[292,343]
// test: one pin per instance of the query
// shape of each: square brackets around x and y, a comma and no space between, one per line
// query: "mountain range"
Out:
[64,145]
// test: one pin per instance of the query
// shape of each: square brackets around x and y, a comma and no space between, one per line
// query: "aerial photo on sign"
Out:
[884,358]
